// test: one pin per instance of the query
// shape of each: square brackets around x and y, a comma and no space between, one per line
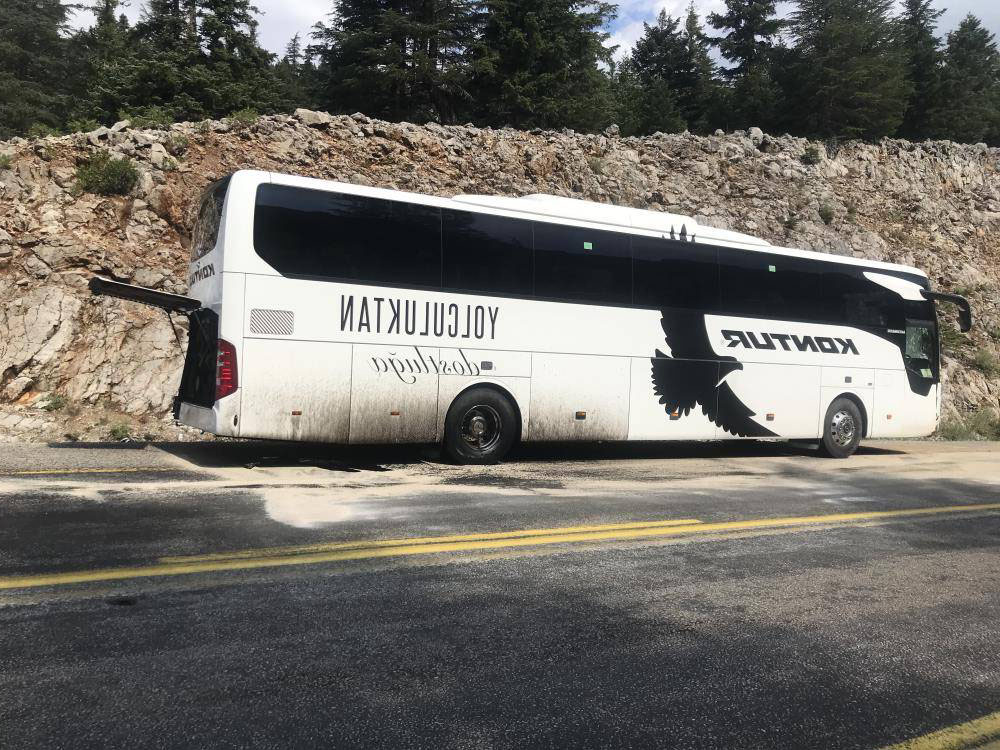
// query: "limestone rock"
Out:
[313,119]
[933,205]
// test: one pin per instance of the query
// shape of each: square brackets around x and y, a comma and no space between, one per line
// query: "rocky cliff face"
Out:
[91,368]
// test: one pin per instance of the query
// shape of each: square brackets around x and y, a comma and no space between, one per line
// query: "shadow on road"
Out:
[250,454]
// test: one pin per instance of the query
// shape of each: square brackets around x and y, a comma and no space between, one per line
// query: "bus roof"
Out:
[556,207]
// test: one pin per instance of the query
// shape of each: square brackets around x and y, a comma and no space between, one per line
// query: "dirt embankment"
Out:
[93,368]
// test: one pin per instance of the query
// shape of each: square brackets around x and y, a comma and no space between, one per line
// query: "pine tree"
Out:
[750,29]
[399,59]
[105,61]
[296,74]
[970,110]
[644,106]
[538,64]
[923,66]
[851,69]
[675,73]
[242,70]
[354,54]
[699,78]
[33,65]
[200,58]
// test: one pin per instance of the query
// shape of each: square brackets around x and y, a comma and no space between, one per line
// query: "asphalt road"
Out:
[683,596]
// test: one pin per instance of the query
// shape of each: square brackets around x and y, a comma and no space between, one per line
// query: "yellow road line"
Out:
[367,544]
[406,547]
[45,472]
[971,734]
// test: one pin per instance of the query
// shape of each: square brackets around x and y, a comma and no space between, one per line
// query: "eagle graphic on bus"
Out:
[694,376]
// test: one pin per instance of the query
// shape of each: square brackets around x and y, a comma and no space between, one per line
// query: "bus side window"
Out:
[486,253]
[576,263]
[332,235]
[853,300]
[669,273]
[770,286]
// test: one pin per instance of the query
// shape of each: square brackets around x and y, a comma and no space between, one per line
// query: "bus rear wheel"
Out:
[842,429]
[480,428]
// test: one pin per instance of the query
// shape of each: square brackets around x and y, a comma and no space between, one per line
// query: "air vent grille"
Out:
[272,322]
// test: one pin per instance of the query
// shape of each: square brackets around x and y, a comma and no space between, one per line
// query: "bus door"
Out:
[906,400]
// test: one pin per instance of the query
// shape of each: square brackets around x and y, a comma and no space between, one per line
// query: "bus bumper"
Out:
[220,419]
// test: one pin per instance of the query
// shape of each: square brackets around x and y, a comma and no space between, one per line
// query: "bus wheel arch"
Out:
[483,422]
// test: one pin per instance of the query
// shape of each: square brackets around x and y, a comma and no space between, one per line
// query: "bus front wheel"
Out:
[481,427]
[842,429]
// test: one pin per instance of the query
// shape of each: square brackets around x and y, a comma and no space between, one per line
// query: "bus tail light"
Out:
[226,372]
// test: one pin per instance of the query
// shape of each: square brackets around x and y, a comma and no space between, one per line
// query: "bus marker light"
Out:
[675,414]
[485,365]
[888,417]
[848,379]
[394,413]
[296,413]
[581,415]
[770,417]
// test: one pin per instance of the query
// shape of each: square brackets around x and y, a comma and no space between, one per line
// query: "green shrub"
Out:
[811,157]
[153,118]
[6,161]
[120,432]
[105,175]
[41,130]
[177,144]
[979,425]
[827,213]
[84,125]
[54,402]
[951,340]
[243,118]
[987,363]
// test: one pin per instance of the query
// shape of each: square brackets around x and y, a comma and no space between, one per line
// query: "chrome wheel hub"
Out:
[842,428]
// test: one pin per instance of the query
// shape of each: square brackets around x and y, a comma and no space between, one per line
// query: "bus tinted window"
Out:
[206,229]
[574,263]
[335,235]
[484,253]
[854,300]
[770,286]
[675,274]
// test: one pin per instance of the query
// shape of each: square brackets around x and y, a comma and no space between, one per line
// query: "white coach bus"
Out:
[331,312]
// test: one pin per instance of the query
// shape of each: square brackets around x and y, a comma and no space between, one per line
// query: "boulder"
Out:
[313,119]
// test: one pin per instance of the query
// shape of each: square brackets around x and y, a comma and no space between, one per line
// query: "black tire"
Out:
[481,426]
[843,429]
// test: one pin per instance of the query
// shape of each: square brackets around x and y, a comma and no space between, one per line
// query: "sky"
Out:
[281,19]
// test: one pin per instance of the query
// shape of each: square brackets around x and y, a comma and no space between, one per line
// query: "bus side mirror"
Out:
[965,319]
[964,308]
